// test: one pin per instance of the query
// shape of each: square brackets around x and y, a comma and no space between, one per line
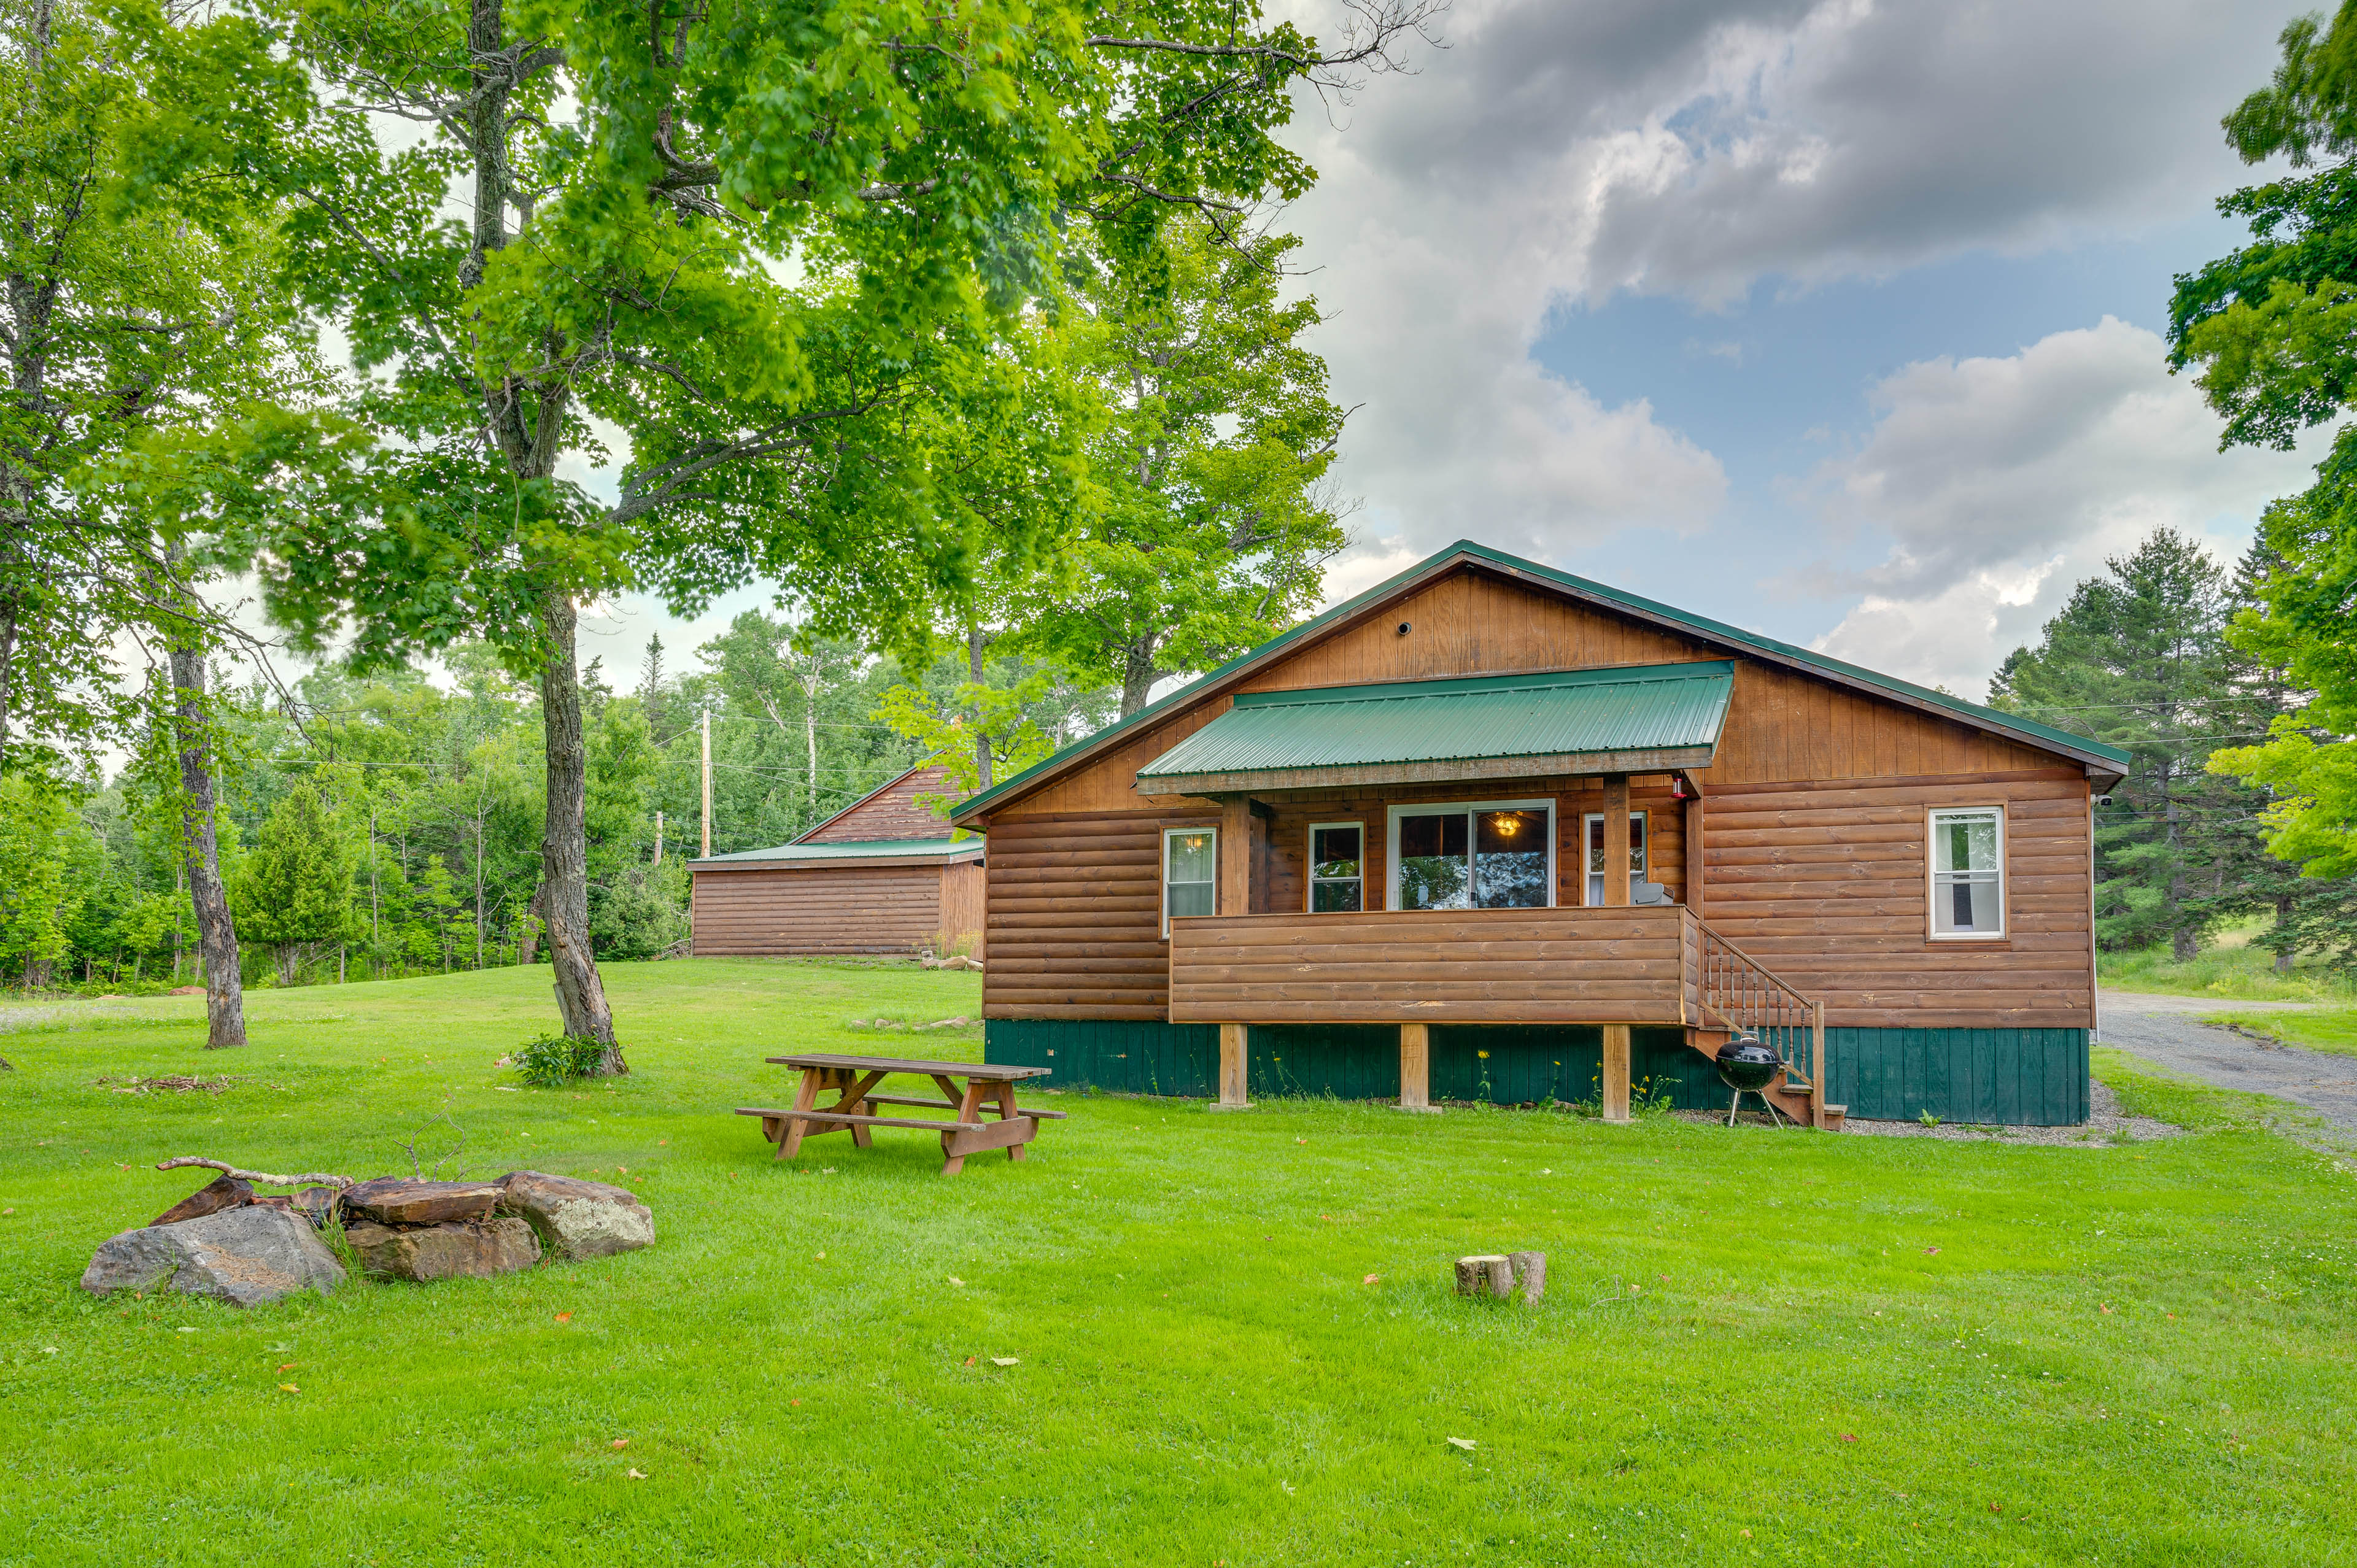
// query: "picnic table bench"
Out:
[853,1110]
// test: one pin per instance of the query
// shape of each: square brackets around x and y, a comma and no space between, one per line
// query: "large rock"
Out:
[396,1200]
[463,1248]
[247,1256]
[578,1219]
[224,1191]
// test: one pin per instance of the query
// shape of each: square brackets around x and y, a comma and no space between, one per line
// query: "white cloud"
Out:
[1560,151]
[2001,483]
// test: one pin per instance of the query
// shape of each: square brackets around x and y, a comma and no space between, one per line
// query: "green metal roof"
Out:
[1649,709]
[850,850]
[1466,551]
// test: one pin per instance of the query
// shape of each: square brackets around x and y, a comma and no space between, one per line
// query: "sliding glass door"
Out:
[1497,856]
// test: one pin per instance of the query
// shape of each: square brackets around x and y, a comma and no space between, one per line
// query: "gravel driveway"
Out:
[2166,1031]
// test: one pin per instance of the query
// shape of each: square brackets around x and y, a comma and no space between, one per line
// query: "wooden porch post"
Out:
[1236,834]
[1232,1079]
[1695,884]
[1615,840]
[1416,1066]
[1616,1059]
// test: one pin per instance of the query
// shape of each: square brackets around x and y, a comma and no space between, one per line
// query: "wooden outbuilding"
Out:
[1493,831]
[885,874]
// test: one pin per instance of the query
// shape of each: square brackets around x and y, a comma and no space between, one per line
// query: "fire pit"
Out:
[1747,1067]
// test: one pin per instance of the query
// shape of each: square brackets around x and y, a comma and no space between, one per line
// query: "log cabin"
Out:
[885,874]
[1489,831]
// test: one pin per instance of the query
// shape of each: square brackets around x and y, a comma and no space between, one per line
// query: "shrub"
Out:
[553,1061]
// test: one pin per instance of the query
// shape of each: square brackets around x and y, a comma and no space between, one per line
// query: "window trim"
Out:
[1636,813]
[1309,877]
[1163,880]
[1932,882]
[1392,815]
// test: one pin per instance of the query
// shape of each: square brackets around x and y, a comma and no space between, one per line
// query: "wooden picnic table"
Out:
[853,1110]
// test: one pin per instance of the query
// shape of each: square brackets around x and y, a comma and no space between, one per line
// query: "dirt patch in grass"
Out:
[166,1083]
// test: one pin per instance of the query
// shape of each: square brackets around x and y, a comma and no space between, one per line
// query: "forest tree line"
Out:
[380,826]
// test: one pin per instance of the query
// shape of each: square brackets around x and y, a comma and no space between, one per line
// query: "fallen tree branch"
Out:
[317,1178]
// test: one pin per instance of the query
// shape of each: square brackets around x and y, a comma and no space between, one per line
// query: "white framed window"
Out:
[1338,867]
[1190,873]
[1483,855]
[1968,874]
[1591,836]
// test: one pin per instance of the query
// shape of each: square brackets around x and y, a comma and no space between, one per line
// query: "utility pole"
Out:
[708,783]
[658,838]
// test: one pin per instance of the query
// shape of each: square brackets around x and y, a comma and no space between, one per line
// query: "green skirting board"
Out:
[2034,1077]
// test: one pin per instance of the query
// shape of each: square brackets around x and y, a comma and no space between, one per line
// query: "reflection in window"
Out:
[1435,871]
[1337,869]
[1190,871]
[1967,877]
[1465,859]
[1510,859]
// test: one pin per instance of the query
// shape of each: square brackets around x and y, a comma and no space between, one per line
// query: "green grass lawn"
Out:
[1758,1346]
[2230,966]
[2325,1030]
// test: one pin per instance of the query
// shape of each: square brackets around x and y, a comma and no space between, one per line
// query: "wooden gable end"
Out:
[892,812]
[1783,726]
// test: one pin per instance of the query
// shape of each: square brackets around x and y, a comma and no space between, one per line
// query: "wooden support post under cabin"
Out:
[1232,1074]
[1694,826]
[1236,823]
[1616,1072]
[1416,1066]
[1615,840]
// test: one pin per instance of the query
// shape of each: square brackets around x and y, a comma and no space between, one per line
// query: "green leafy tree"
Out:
[39,895]
[782,251]
[1213,520]
[2270,327]
[294,891]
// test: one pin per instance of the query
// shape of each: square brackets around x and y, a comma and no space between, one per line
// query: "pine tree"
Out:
[295,890]
[2138,659]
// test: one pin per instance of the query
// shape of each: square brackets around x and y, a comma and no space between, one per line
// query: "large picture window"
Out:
[1592,836]
[1190,873]
[1338,867]
[1968,874]
[1499,855]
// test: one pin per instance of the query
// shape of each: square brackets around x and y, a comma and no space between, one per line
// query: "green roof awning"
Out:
[1627,720]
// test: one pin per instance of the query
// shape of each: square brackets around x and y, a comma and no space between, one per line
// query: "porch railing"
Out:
[1727,989]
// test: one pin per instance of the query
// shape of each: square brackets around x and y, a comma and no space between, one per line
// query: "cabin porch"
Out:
[1615,968]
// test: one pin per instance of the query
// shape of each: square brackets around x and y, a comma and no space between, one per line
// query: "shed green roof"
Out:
[1655,715]
[848,850]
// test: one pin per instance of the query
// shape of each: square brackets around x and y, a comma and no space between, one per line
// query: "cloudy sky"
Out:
[1833,318]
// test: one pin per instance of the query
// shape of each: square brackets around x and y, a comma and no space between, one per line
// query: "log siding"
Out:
[812,910]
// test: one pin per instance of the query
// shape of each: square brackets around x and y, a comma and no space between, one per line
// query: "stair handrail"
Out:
[1745,995]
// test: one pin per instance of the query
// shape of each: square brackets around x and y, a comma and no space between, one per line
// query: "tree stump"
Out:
[1505,1276]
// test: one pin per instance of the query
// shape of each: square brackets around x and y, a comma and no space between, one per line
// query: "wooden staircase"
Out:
[1727,993]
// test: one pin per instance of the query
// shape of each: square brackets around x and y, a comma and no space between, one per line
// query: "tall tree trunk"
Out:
[528,944]
[2286,905]
[564,853]
[810,731]
[478,889]
[200,849]
[977,642]
[2183,942]
[1138,676]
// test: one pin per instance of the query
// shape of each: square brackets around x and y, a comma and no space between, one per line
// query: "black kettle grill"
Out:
[1747,1067]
